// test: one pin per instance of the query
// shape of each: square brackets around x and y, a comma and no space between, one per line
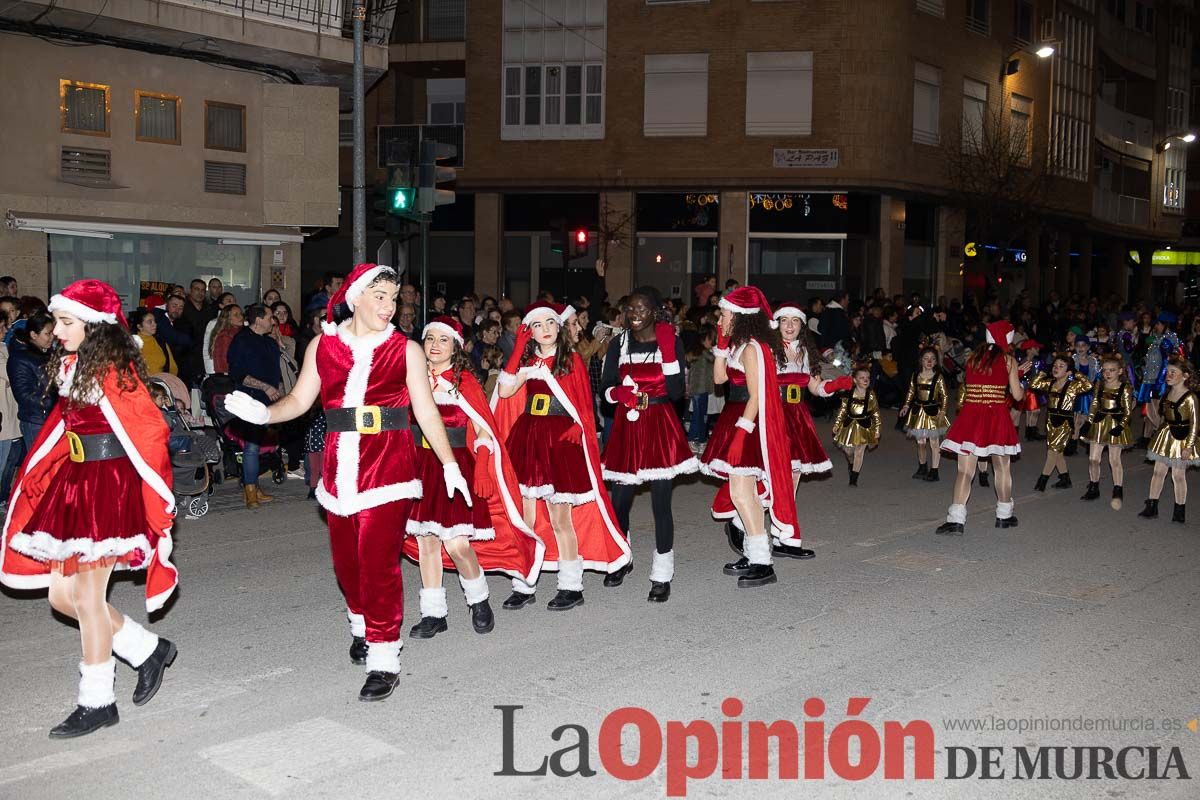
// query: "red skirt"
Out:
[435,514]
[547,455]
[808,455]
[651,448]
[730,450]
[982,430]
[92,511]
[1027,403]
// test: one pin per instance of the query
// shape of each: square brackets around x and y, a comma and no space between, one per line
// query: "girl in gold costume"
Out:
[857,424]
[1062,387]
[1109,423]
[1174,446]
[924,414]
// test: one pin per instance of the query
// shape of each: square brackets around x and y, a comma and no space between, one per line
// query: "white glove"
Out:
[455,482]
[745,424]
[245,407]
[484,444]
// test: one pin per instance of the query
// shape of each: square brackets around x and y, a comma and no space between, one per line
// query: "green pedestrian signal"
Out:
[402,199]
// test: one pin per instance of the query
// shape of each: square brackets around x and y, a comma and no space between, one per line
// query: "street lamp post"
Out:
[1010,65]
[1165,144]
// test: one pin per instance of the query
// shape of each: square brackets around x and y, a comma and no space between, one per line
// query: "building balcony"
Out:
[413,135]
[1130,48]
[430,41]
[1126,133]
[1120,209]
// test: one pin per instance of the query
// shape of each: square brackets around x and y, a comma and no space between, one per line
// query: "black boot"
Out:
[83,721]
[1180,514]
[1150,511]
[378,686]
[517,600]
[922,471]
[739,567]
[757,575]
[428,627]
[853,478]
[358,650]
[950,529]
[736,537]
[660,591]
[983,480]
[150,673]
[1007,522]
[1042,480]
[932,476]
[1064,481]
[1072,448]
[565,599]
[617,578]
[1118,498]
[792,551]
[1031,434]
[1093,491]
[482,619]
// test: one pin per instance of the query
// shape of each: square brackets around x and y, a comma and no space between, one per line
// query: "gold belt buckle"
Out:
[540,405]
[76,446]
[424,442]
[367,419]
[643,401]
[793,393]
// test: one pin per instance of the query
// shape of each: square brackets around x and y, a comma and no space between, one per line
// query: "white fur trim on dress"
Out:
[1175,463]
[355,290]
[45,547]
[521,587]
[687,467]
[805,468]
[972,449]
[133,643]
[956,513]
[442,327]
[96,684]
[77,309]
[358,624]
[409,490]
[662,568]
[718,468]
[570,575]
[384,656]
[1004,510]
[506,379]
[42,580]
[757,549]
[572,499]
[921,434]
[433,602]
[446,533]
[474,590]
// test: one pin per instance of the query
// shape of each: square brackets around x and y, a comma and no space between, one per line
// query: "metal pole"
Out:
[360,170]
[426,289]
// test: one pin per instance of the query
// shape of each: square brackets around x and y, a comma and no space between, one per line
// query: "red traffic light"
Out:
[581,236]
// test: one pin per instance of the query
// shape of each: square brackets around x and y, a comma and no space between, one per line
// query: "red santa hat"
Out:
[447,325]
[352,288]
[1000,333]
[91,301]
[790,309]
[747,300]
[541,310]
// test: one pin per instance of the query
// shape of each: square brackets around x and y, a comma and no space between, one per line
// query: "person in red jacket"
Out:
[94,496]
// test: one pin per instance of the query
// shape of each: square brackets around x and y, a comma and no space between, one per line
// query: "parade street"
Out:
[1081,615]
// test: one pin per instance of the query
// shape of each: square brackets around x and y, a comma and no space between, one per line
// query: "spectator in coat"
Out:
[835,322]
[27,359]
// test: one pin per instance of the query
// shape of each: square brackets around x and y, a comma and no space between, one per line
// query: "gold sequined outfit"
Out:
[1175,442]
[1112,410]
[1060,406]
[857,421]
[927,402]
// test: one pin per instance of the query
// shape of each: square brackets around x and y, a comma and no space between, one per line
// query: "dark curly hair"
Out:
[756,326]
[563,355]
[105,347]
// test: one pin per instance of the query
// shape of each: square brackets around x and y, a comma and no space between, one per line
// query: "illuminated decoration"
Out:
[1020,257]
[658,258]
[771,202]
[65,86]
[1135,256]
[840,201]
[969,250]
[702,199]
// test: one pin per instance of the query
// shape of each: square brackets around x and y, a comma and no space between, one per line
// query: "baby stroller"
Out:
[212,392]
[194,463]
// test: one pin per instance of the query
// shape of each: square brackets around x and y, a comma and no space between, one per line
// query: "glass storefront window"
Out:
[518,263]
[675,265]
[789,267]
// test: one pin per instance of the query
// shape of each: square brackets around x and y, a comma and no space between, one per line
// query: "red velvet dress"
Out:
[435,514]
[92,511]
[983,426]
[652,446]
[807,452]
[730,450]
[547,452]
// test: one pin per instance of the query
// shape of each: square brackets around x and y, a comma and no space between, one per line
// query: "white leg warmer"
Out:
[476,591]
[1004,510]
[133,643]
[662,570]
[383,656]
[758,549]
[521,587]
[957,513]
[433,602]
[570,575]
[358,624]
[96,684]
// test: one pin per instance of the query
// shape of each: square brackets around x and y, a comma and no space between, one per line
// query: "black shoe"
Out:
[853,478]
[1008,522]
[1064,481]
[922,471]
[312,493]
[428,627]
[378,686]
[983,480]
[482,619]
[660,591]
[564,600]
[1150,511]
[150,673]
[1072,448]
[1180,514]
[757,575]
[617,578]
[736,537]
[1042,480]
[83,721]
[950,529]
[791,551]
[933,476]
[1117,498]
[517,600]
[1093,491]
[358,650]
[738,567]
[1031,434]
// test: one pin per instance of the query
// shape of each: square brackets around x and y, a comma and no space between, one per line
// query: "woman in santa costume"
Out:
[543,410]
[446,532]
[643,379]
[368,377]
[94,496]
[983,427]
[749,447]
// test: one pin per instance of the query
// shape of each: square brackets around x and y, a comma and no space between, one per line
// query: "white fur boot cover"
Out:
[133,643]
[570,575]
[662,569]
[96,684]
[758,549]
[476,591]
[383,656]
[433,602]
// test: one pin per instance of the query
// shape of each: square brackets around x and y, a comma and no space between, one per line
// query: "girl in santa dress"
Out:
[641,376]
[543,410]
[94,496]
[441,524]
[983,427]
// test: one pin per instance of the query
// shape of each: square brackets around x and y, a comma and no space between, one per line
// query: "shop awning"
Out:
[106,227]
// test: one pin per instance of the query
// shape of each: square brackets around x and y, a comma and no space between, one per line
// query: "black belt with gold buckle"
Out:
[94,447]
[366,419]
[545,405]
[456,436]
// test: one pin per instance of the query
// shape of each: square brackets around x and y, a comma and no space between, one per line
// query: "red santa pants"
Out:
[366,560]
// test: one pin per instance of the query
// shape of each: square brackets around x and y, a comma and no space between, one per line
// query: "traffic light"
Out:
[431,176]
[581,242]
[401,199]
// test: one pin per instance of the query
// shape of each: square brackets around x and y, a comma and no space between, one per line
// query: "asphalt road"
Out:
[1081,616]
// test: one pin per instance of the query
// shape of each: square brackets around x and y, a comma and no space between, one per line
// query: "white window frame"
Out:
[682,77]
[927,75]
[781,85]
[974,113]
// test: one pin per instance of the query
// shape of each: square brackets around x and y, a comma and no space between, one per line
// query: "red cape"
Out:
[776,491]
[140,427]
[516,550]
[602,545]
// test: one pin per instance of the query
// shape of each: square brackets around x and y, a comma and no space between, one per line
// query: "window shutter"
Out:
[224,178]
[676,95]
[779,94]
[80,165]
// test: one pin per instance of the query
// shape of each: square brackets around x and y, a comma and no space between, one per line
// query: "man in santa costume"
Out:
[367,376]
